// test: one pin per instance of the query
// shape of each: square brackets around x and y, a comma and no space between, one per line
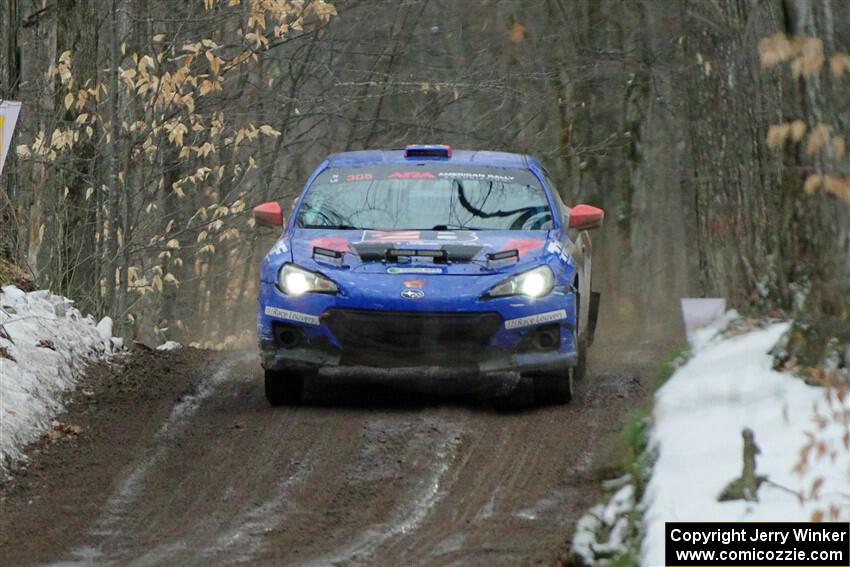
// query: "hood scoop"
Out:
[379,252]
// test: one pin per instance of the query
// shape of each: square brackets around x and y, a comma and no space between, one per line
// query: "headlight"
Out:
[533,283]
[293,280]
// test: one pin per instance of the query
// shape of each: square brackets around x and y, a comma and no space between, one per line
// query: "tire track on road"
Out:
[414,506]
[108,525]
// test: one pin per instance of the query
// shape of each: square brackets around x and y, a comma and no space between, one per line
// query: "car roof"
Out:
[458,157]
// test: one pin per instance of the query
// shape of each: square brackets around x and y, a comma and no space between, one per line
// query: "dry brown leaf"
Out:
[4,353]
[517,33]
[818,138]
[839,64]
[61,431]
[810,56]
[813,183]
[798,130]
[774,50]
[838,186]
[816,486]
[777,134]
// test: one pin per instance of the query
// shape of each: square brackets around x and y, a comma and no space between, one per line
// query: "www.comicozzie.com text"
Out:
[727,536]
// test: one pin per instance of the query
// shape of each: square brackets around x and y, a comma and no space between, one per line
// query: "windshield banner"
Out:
[434,172]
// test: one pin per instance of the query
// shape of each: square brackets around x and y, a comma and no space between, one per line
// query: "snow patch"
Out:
[699,414]
[612,519]
[45,344]
[169,345]
[104,328]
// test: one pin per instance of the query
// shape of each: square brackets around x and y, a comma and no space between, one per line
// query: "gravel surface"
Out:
[179,460]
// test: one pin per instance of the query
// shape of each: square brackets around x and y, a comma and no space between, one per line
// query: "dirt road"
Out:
[180,461]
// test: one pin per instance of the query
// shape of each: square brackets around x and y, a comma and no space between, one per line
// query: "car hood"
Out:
[365,251]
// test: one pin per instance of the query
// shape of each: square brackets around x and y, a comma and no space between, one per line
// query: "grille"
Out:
[396,332]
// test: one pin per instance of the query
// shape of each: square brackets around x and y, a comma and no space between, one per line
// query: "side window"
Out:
[559,203]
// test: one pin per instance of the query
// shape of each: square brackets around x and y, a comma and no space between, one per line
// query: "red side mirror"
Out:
[585,217]
[268,214]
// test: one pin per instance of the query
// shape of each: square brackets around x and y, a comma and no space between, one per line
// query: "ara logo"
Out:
[413,294]
[411,175]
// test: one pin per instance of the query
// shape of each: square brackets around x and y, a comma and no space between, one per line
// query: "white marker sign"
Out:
[8,117]
[699,312]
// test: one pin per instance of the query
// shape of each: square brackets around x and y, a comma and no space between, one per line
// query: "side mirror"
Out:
[268,214]
[585,217]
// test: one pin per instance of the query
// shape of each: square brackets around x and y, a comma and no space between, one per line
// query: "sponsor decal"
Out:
[414,270]
[292,315]
[413,284]
[390,235]
[331,243]
[413,294]
[334,178]
[538,319]
[560,250]
[279,247]
[476,175]
[420,236]
[411,175]
[522,245]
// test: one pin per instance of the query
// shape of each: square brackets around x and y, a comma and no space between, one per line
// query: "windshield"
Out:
[433,197]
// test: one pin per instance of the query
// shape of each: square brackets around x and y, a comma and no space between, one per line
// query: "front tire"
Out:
[580,369]
[555,388]
[284,387]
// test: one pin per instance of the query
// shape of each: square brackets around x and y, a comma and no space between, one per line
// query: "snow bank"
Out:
[699,414]
[44,346]
[610,518]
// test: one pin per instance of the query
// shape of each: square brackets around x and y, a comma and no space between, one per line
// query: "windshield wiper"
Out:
[453,227]
[333,226]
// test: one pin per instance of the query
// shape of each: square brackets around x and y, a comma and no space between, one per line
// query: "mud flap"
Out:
[595,297]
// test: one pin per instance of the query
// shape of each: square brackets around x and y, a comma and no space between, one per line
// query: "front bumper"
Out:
[504,334]
[311,359]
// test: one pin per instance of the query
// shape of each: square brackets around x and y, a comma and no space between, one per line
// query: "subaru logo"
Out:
[413,294]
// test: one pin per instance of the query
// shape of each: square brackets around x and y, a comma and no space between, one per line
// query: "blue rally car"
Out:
[428,257]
